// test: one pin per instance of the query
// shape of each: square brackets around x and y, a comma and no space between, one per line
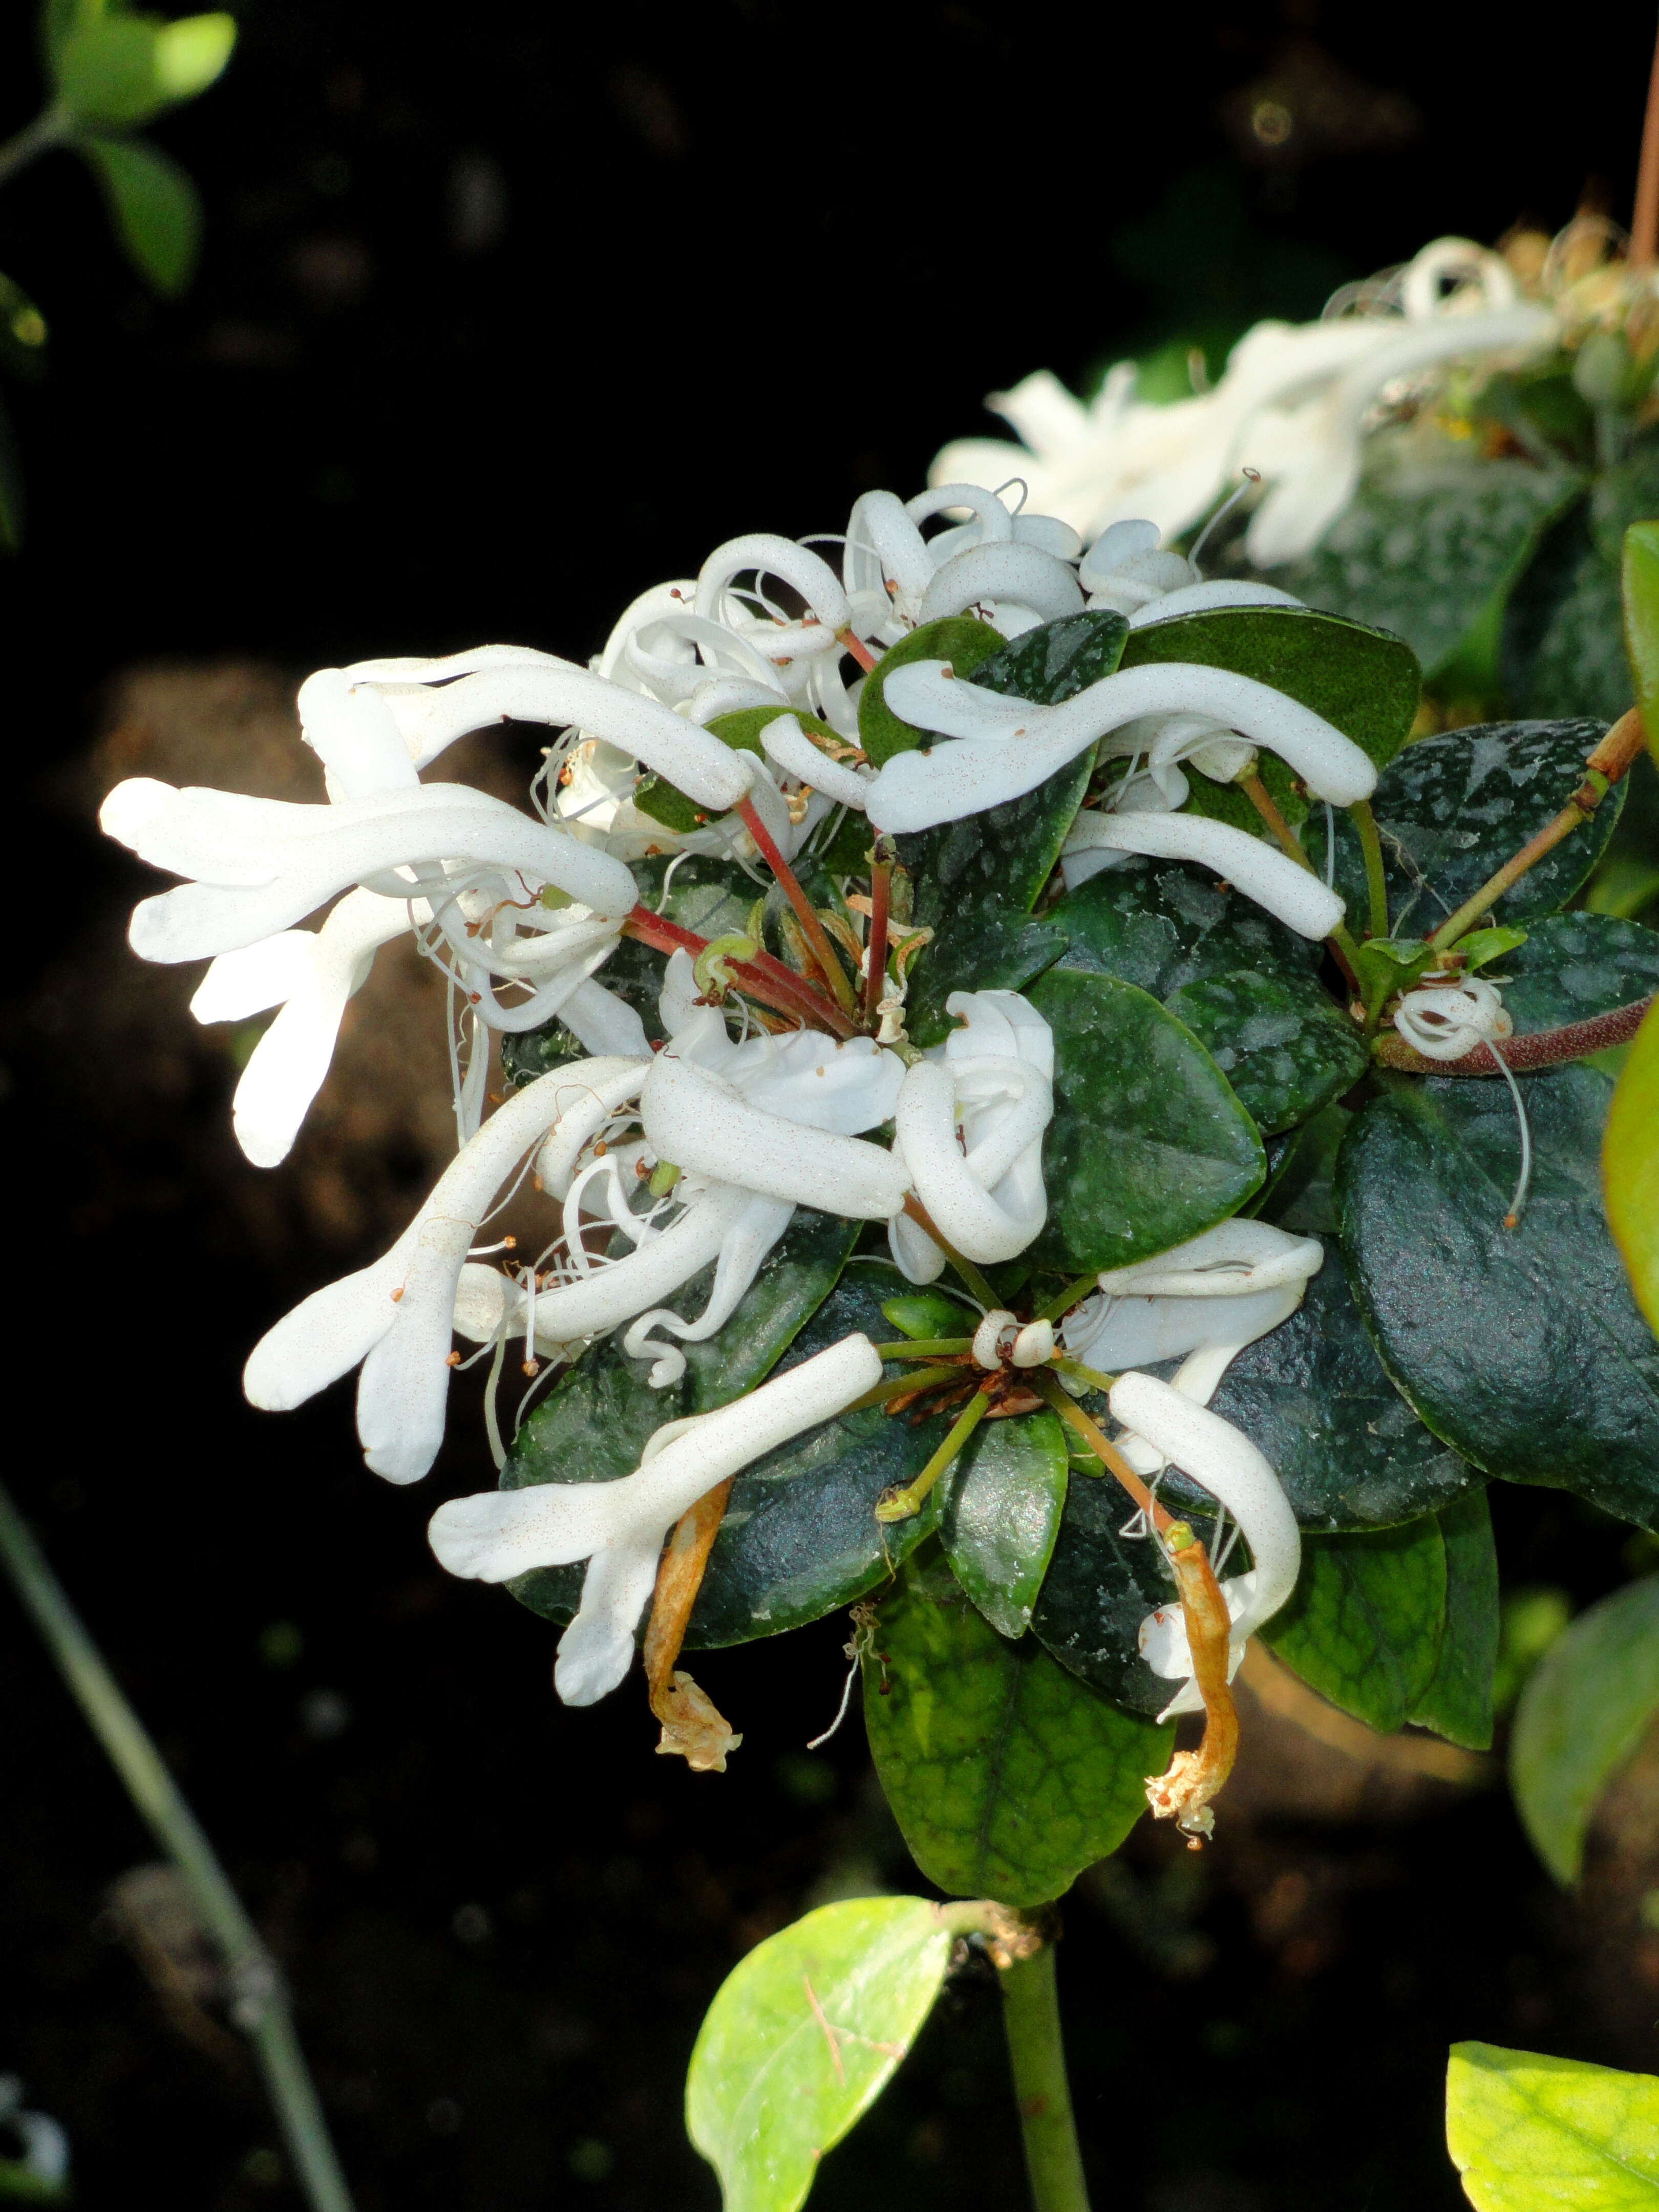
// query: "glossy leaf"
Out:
[1521,1347]
[1148,1145]
[975,952]
[1629,1168]
[1532,2133]
[964,642]
[1428,543]
[1001,1515]
[1007,1775]
[1312,1395]
[1364,1624]
[1587,1705]
[917,1314]
[1575,966]
[1284,1046]
[156,209]
[1458,1701]
[1100,1586]
[803,2036]
[1163,924]
[1364,682]
[1451,809]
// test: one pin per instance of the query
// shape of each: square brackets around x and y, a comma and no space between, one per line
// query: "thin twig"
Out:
[875,957]
[1644,218]
[258,2003]
[806,913]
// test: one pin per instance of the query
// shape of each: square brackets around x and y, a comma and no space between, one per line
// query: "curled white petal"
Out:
[956,1189]
[354,734]
[1230,1260]
[597,1650]
[1210,597]
[788,744]
[1022,575]
[1445,1023]
[755,1230]
[768,556]
[1296,896]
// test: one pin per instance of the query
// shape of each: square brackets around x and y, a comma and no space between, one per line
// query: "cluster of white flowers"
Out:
[1293,405]
[661,1161]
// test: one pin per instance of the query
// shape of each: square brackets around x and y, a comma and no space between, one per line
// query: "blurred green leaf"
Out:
[1629,1168]
[1530,1621]
[1532,2133]
[803,2037]
[116,70]
[12,509]
[1590,1700]
[1641,583]
[22,331]
[156,209]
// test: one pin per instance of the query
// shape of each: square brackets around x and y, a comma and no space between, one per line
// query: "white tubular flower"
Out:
[355,736]
[1223,1462]
[803,570]
[261,864]
[1292,403]
[310,975]
[1018,745]
[995,1078]
[619,1527]
[788,744]
[1124,570]
[395,1317]
[1271,877]
[1443,1023]
[1210,1296]
[1009,574]
[886,552]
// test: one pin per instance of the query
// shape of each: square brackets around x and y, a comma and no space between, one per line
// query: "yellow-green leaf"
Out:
[155,207]
[192,54]
[1629,1168]
[804,2036]
[1532,2133]
[1642,621]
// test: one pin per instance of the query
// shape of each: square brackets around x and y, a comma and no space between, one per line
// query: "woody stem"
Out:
[1611,760]
[875,957]
[806,913]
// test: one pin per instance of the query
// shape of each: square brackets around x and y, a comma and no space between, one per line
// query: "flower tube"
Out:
[1295,895]
[919,790]
[619,1527]
[1223,1462]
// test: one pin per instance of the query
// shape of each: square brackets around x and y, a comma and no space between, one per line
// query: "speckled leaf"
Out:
[1532,2133]
[712,897]
[1429,542]
[1575,966]
[1563,649]
[1640,570]
[1284,1046]
[1001,1515]
[1148,1145]
[1300,1196]
[1313,1396]
[803,2036]
[1363,681]
[1162,925]
[1629,1168]
[1587,1704]
[1521,1347]
[1364,1624]
[1451,809]
[1458,1701]
[980,951]
[959,639]
[1100,1586]
[1008,1776]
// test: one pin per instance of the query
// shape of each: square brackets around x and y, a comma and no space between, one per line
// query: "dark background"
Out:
[504,314]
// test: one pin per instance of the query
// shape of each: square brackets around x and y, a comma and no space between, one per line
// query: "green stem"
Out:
[49,129]
[1030,2015]
[1091,1376]
[904,1505]
[1063,1301]
[258,2001]
[1375,882]
[924,1347]
[970,1273]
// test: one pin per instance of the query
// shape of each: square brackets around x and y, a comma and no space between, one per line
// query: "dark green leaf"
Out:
[1364,1625]
[1148,1145]
[1162,925]
[1564,645]
[959,639]
[1363,681]
[1458,1702]
[803,2037]
[1284,1046]
[1007,1774]
[1100,1586]
[1430,542]
[1451,809]
[929,1314]
[156,209]
[1312,1395]
[1521,1347]
[1001,1515]
[1575,966]
[1057,660]
[1298,1196]
[982,951]
[667,803]
[12,508]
